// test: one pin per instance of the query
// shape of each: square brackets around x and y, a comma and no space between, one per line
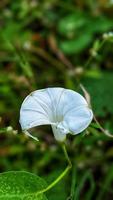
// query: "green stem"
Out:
[62,174]
[88,61]
[91,57]
[66,155]
[74,178]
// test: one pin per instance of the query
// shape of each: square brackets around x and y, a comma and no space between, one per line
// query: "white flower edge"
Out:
[65,110]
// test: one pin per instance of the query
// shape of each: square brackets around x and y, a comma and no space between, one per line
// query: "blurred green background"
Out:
[46,43]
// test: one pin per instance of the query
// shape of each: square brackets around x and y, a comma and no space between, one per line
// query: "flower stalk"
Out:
[69,166]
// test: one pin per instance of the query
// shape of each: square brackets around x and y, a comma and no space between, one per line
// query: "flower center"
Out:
[62,126]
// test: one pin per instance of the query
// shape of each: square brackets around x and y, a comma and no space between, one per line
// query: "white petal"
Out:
[66,110]
[59,136]
[69,100]
[79,119]
[36,110]
[55,96]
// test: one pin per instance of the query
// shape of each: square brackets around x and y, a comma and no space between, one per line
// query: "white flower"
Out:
[65,110]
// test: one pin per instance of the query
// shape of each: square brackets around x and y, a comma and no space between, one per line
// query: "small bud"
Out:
[79,70]
[110,34]
[9,129]
[81,165]
[15,132]
[93,53]
[27,45]
[107,36]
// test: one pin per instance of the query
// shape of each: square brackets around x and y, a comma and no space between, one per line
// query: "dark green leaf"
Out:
[76,45]
[101,91]
[20,185]
[71,23]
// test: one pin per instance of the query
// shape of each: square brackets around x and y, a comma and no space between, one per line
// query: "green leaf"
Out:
[75,45]
[20,185]
[99,24]
[71,23]
[101,92]
[79,21]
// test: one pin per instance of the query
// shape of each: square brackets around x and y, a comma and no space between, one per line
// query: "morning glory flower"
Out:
[65,110]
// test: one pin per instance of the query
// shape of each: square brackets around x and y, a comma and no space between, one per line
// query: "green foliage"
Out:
[105,185]
[86,177]
[21,185]
[47,43]
[71,23]
[100,89]
[59,189]
[75,45]
[79,30]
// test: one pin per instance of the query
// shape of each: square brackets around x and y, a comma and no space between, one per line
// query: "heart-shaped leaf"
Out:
[20,185]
